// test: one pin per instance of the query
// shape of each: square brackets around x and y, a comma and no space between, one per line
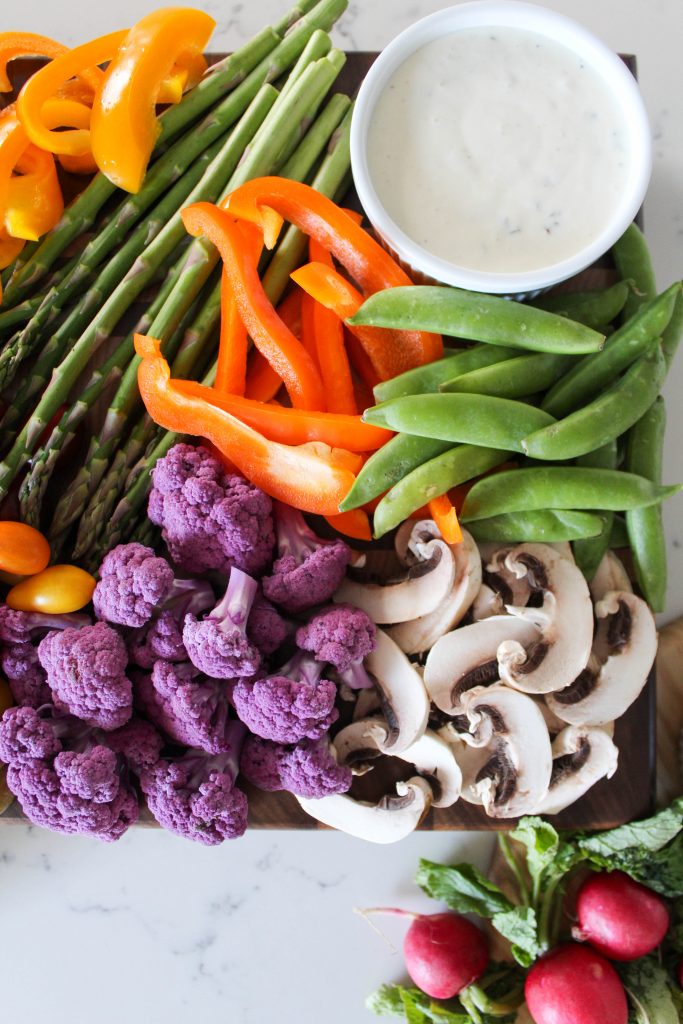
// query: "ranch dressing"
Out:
[498,149]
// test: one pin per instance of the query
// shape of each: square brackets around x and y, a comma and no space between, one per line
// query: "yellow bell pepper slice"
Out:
[63,112]
[34,197]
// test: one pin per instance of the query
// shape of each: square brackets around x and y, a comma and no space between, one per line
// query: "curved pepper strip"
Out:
[184,75]
[311,477]
[66,112]
[31,44]
[34,197]
[263,383]
[328,331]
[13,144]
[267,201]
[233,345]
[445,516]
[125,108]
[271,336]
[292,426]
[354,524]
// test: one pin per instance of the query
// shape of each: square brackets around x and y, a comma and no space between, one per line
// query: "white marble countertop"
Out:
[154,929]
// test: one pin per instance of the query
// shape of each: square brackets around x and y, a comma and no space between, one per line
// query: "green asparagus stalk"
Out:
[17,316]
[319,45]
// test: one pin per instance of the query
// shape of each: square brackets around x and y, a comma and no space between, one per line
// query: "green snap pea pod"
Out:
[634,263]
[389,464]
[430,377]
[590,375]
[432,479]
[588,552]
[644,525]
[466,419]
[571,487]
[606,417]
[545,526]
[593,308]
[514,378]
[618,538]
[488,318]
[672,334]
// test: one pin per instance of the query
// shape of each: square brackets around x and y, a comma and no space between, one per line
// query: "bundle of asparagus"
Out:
[263,110]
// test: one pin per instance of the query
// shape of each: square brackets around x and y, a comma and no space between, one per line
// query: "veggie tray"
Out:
[627,795]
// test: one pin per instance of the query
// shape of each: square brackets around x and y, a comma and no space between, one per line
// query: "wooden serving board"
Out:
[631,791]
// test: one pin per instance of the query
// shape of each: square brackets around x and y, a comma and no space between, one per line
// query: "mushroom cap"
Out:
[467,657]
[565,619]
[388,821]
[500,587]
[610,575]
[508,730]
[607,687]
[581,757]
[403,697]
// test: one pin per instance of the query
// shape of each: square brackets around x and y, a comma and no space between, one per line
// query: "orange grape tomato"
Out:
[6,698]
[23,550]
[59,590]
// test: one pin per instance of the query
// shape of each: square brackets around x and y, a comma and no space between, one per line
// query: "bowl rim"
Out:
[506,13]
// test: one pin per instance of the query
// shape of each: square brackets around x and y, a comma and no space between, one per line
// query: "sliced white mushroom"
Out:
[624,650]
[392,819]
[500,587]
[610,575]
[564,548]
[367,702]
[402,694]
[359,744]
[565,619]
[420,589]
[466,657]
[507,768]
[421,633]
[581,757]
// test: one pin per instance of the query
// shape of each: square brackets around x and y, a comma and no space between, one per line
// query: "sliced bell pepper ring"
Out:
[34,197]
[125,107]
[292,426]
[62,111]
[271,336]
[30,44]
[444,515]
[312,477]
[328,332]
[354,524]
[267,201]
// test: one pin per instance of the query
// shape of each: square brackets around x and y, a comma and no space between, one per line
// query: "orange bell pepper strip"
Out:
[354,524]
[269,333]
[62,111]
[13,143]
[233,345]
[308,329]
[267,201]
[34,197]
[292,426]
[328,331]
[444,515]
[312,477]
[125,107]
[30,44]
[262,381]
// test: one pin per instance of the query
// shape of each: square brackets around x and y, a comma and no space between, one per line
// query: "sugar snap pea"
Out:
[424,379]
[488,318]
[468,419]
[544,526]
[618,537]
[514,378]
[644,525]
[594,308]
[588,376]
[606,417]
[389,464]
[672,334]
[570,487]
[633,261]
[431,479]
[588,552]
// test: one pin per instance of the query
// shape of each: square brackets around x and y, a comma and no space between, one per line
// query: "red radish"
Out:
[619,917]
[444,953]
[575,985]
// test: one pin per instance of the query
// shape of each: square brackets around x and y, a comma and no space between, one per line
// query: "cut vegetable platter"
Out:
[627,795]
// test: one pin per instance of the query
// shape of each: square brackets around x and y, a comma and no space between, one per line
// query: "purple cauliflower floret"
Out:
[341,635]
[161,638]
[308,769]
[217,644]
[139,742]
[308,570]
[18,627]
[25,675]
[266,628]
[64,774]
[296,704]
[86,671]
[189,707]
[195,796]
[210,519]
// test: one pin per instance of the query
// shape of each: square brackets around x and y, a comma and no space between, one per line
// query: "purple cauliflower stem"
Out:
[195,796]
[308,570]
[18,627]
[266,628]
[218,643]
[308,769]
[64,774]
[135,584]
[293,705]
[189,707]
[25,675]
[86,672]
[210,518]
[162,637]
[341,635]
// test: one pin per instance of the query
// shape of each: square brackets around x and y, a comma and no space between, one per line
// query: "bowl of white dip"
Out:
[499,147]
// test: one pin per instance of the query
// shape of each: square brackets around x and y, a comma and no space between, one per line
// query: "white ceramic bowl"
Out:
[554,26]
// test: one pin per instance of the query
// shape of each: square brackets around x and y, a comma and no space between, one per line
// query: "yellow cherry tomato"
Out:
[58,590]
[23,550]
[6,698]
